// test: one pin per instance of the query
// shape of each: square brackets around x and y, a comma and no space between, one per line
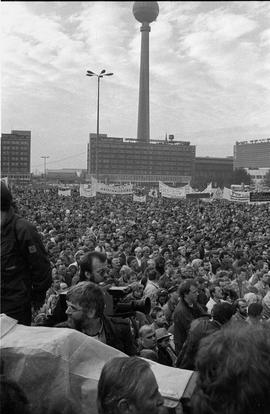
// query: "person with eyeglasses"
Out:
[85,313]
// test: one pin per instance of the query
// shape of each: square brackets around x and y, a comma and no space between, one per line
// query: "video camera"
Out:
[127,309]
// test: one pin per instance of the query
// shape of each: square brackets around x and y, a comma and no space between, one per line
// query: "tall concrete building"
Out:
[141,160]
[252,154]
[145,12]
[127,160]
[16,156]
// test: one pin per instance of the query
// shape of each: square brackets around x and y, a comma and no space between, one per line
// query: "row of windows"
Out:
[140,151]
[7,159]
[11,146]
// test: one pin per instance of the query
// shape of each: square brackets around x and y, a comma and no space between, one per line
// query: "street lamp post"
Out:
[99,76]
[45,157]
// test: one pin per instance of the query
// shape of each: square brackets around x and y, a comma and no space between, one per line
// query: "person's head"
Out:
[162,296]
[151,264]
[233,367]
[92,264]
[188,291]
[163,338]
[84,301]
[241,306]
[128,386]
[138,252]
[147,337]
[153,275]
[222,312]
[137,290]
[78,256]
[265,278]
[255,312]
[133,263]
[146,251]
[207,266]
[216,292]
[242,274]
[158,316]
[125,273]
[250,298]
[116,263]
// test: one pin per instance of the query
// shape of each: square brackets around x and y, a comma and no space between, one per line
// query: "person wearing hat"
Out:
[166,354]
[25,267]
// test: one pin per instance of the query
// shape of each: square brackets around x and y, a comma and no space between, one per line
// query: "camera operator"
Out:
[85,313]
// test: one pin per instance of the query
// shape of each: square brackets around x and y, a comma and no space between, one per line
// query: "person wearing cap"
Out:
[166,354]
[25,266]
[147,342]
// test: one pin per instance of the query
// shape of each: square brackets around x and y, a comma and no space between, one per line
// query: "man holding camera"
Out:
[85,312]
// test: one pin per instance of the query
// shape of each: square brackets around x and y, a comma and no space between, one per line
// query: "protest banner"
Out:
[66,192]
[260,197]
[171,192]
[139,199]
[87,191]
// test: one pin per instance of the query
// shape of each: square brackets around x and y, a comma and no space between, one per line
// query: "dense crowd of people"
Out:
[205,266]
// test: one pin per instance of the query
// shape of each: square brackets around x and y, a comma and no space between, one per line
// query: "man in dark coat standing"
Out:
[185,312]
[25,267]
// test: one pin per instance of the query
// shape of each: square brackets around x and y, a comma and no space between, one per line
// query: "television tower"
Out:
[145,12]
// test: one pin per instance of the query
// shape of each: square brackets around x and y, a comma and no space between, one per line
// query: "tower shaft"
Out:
[143,130]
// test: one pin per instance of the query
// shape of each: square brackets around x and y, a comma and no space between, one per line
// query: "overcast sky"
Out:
[209,72]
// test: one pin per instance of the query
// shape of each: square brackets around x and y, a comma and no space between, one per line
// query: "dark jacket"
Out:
[199,329]
[165,357]
[183,316]
[117,332]
[25,267]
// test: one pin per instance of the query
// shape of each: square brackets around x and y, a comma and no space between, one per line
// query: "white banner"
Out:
[139,199]
[171,192]
[87,191]
[217,193]
[208,189]
[66,192]
[111,188]
[189,189]
[237,196]
[227,192]
[240,196]
[5,180]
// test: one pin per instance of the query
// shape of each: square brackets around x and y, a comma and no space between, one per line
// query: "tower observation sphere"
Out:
[145,11]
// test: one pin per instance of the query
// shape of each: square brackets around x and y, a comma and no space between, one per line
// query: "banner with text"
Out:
[111,188]
[260,197]
[66,192]
[171,192]
[139,199]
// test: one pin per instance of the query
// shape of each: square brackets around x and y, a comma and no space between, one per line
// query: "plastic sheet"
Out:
[59,368]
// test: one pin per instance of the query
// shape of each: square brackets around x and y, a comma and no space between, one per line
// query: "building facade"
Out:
[16,156]
[128,160]
[252,154]
[257,176]
[212,169]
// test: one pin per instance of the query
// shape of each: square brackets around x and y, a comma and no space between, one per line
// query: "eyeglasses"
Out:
[73,308]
